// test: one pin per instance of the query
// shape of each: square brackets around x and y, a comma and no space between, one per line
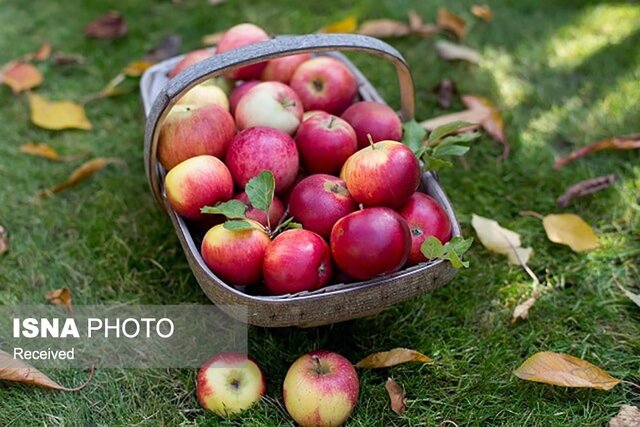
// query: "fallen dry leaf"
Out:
[168,47]
[628,416]
[446,89]
[48,152]
[215,2]
[43,53]
[452,51]
[112,88]
[109,26]
[81,173]
[384,28]
[136,68]
[500,240]
[57,115]
[633,297]
[627,142]
[396,396]
[4,240]
[448,20]
[212,39]
[346,25]
[418,27]
[392,357]
[522,310]
[61,297]
[564,370]
[482,11]
[584,188]
[571,230]
[18,371]
[61,58]
[20,76]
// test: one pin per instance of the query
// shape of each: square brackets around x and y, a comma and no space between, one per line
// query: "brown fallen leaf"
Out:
[448,20]
[571,230]
[48,152]
[18,371]
[564,370]
[418,27]
[452,51]
[20,76]
[522,310]
[396,396]
[482,11]
[81,173]
[633,297]
[61,297]
[392,357]
[346,25]
[627,142]
[446,89]
[43,53]
[109,26]
[61,58]
[136,68]
[57,115]
[584,188]
[384,28]
[168,47]
[628,416]
[4,240]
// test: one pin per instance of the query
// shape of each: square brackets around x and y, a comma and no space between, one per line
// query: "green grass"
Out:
[565,74]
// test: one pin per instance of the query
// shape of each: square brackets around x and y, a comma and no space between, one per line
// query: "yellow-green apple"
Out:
[193,130]
[426,218]
[197,182]
[238,36]
[295,261]
[325,142]
[276,210]
[189,59]
[321,389]
[262,148]
[370,242]
[375,119]
[318,201]
[229,383]
[282,69]
[239,91]
[324,83]
[204,94]
[236,256]
[271,104]
[384,174]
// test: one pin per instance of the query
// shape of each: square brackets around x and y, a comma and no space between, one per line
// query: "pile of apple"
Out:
[339,168]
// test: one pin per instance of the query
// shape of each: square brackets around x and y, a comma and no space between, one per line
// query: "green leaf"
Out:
[231,209]
[434,163]
[459,245]
[455,260]
[432,248]
[260,190]
[444,130]
[238,225]
[461,138]
[294,226]
[450,150]
[452,250]
[413,134]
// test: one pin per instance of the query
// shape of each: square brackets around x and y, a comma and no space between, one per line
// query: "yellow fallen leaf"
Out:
[384,28]
[48,152]
[44,52]
[136,68]
[21,76]
[522,310]
[83,172]
[396,396]
[392,357]
[212,39]
[482,11]
[4,240]
[448,20]
[500,240]
[628,416]
[564,370]
[571,230]
[346,25]
[57,115]
[453,51]
[61,297]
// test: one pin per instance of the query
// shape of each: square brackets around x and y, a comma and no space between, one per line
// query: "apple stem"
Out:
[331,120]
[318,365]
[373,147]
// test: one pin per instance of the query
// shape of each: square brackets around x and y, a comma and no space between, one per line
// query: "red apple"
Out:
[282,69]
[375,119]
[384,174]
[325,142]
[238,36]
[192,130]
[370,242]
[318,201]
[310,113]
[189,59]
[321,389]
[276,210]
[271,104]
[426,218]
[204,94]
[261,148]
[239,91]
[229,383]
[197,182]
[324,83]
[295,261]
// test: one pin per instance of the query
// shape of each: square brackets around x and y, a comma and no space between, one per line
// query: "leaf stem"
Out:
[533,214]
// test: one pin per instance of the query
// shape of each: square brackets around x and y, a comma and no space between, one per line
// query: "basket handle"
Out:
[258,52]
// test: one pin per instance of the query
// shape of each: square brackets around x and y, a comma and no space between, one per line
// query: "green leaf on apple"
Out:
[451,251]
[237,225]
[444,130]
[287,224]
[232,209]
[434,164]
[260,190]
[412,136]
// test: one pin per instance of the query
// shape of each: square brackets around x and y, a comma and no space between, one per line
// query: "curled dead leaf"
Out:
[449,21]
[61,297]
[482,11]
[44,52]
[628,416]
[61,58]
[21,76]
[584,188]
[346,25]
[452,51]
[48,152]
[522,310]
[18,371]
[4,240]
[81,173]
[396,396]
[492,123]
[392,357]
[627,142]
[384,28]
[564,370]
[57,115]
[571,230]
[109,26]
[418,27]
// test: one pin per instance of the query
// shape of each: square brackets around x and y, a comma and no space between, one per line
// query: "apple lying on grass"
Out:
[282,69]
[321,389]
[276,211]
[324,83]
[238,36]
[189,59]
[192,130]
[204,94]
[239,91]
[375,119]
[271,104]
[229,383]
[197,182]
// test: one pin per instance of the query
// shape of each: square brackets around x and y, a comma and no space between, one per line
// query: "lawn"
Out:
[564,74]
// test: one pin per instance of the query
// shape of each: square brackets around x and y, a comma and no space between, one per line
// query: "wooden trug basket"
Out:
[331,304]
